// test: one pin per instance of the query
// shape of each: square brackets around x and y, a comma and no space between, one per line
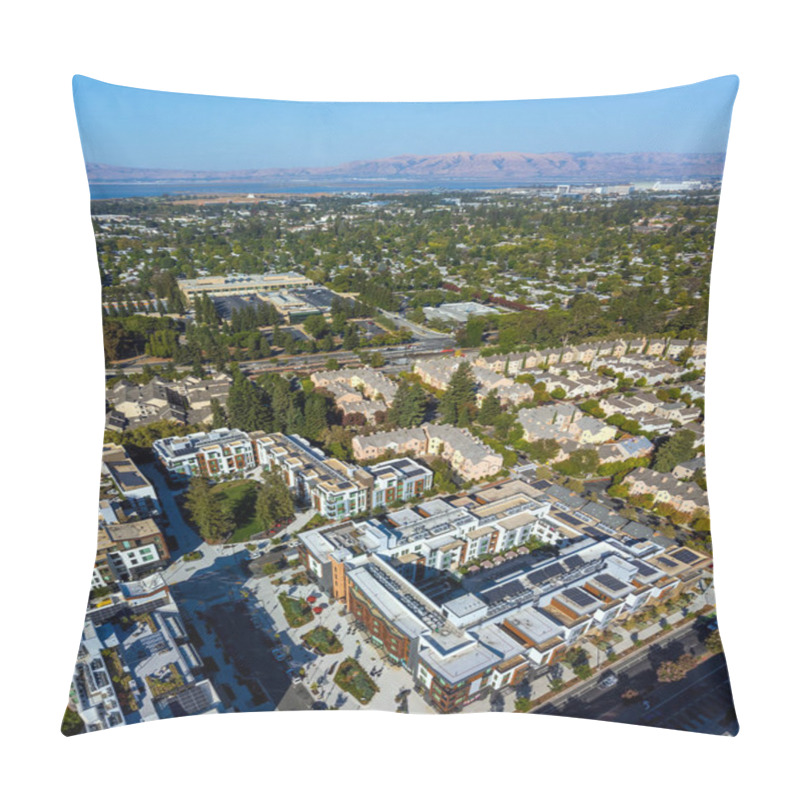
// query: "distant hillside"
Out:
[503,168]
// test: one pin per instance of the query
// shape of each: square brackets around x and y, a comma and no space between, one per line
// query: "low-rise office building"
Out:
[238,284]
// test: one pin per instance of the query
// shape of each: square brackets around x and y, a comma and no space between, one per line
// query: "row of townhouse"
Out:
[332,487]
[576,383]
[647,368]
[162,674]
[665,488]
[649,411]
[502,622]
[564,421]
[437,372]
[686,469]
[468,456]
[625,448]
[186,401]
[571,429]
[358,391]
[515,363]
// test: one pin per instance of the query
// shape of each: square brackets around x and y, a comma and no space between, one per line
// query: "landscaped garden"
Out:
[240,498]
[323,639]
[121,680]
[166,681]
[351,678]
[297,611]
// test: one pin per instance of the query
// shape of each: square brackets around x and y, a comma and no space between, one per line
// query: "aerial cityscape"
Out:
[433,445]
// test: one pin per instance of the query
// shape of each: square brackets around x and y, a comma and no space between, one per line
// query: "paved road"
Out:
[347,357]
[186,538]
[702,701]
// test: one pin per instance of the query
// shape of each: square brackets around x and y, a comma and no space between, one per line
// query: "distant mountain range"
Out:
[502,168]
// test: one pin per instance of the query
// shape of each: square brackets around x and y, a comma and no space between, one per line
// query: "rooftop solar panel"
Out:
[644,569]
[685,556]
[130,479]
[545,573]
[190,700]
[666,562]
[610,582]
[570,520]
[579,597]
[573,562]
[596,532]
[498,593]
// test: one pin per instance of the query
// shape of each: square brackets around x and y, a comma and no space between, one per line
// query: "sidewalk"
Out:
[597,658]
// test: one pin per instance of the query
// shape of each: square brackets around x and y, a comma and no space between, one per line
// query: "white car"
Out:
[608,680]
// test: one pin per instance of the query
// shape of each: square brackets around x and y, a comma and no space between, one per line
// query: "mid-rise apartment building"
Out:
[127,551]
[219,452]
[510,614]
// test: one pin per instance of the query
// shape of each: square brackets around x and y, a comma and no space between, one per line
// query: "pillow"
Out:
[405,407]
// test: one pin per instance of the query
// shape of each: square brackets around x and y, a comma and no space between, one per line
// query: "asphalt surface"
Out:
[701,701]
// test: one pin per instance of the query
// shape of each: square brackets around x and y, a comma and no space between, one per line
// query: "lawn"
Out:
[297,611]
[351,678]
[323,640]
[240,497]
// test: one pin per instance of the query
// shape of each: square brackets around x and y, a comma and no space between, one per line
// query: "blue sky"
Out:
[142,128]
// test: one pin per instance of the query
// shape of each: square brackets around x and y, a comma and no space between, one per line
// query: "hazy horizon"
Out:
[144,129]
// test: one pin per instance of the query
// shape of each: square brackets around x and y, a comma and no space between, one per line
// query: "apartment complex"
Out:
[335,489]
[127,551]
[238,284]
[332,487]
[129,480]
[220,452]
[399,480]
[519,610]
[468,456]
[141,671]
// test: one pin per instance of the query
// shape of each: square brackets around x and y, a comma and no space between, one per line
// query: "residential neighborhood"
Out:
[454,471]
